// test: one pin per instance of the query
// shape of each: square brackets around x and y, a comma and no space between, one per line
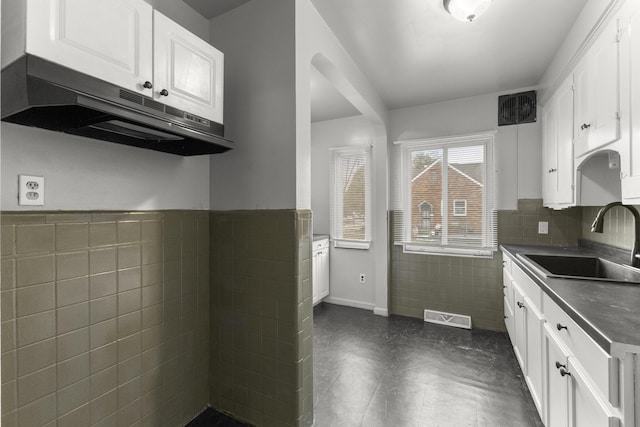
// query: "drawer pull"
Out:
[521,305]
[561,327]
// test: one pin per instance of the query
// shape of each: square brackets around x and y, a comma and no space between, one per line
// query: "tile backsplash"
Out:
[473,286]
[105,318]
[618,226]
[261,316]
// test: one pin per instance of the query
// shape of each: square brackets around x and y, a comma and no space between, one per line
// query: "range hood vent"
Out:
[42,94]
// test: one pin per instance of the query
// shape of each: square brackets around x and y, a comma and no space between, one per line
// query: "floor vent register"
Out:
[449,319]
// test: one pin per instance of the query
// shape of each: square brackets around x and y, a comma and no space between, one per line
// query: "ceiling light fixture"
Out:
[466,10]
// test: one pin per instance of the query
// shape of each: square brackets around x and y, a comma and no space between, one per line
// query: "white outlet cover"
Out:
[30,190]
[543,227]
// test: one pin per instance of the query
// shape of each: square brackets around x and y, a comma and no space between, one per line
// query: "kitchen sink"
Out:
[583,267]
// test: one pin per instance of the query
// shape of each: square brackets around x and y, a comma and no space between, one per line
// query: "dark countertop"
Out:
[609,312]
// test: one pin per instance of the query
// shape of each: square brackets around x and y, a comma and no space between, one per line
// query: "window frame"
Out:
[336,219]
[404,198]
[464,207]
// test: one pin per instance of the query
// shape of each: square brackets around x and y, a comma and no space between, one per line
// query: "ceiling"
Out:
[413,52]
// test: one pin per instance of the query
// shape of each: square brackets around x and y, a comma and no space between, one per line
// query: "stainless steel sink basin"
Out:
[583,267]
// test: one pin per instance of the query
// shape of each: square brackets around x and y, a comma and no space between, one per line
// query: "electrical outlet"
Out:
[362,278]
[30,190]
[543,227]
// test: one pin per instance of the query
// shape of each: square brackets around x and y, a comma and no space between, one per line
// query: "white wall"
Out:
[317,44]
[518,149]
[258,40]
[85,174]
[345,264]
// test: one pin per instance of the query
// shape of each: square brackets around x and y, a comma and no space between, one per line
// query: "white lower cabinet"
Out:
[572,380]
[556,400]
[527,342]
[320,270]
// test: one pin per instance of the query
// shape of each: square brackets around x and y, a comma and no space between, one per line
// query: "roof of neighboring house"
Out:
[471,171]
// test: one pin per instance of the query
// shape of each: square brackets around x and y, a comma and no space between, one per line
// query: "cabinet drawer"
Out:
[529,288]
[602,368]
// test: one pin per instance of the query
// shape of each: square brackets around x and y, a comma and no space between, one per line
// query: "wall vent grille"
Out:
[132,97]
[153,104]
[449,319]
[517,108]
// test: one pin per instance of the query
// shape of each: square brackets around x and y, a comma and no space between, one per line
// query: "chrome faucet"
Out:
[598,224]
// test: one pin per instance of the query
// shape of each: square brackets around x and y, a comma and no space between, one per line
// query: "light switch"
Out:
[543,227]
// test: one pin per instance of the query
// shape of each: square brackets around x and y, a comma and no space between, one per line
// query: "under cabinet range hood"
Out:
[39,93]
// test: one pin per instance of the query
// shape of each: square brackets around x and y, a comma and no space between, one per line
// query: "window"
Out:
[459,208]
[455,175]
[350,219]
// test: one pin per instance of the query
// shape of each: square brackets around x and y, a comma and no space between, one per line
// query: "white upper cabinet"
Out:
[630,101]
[188,72]
[110,40]
[557,145]
[597,105]
[123,42]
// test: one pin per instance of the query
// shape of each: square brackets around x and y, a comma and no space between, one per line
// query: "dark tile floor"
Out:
[374,371]
[213,418]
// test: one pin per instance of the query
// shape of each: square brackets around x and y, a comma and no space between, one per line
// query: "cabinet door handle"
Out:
[564,372]
[504,263]
[164,92]
[521,305]
[561,327]
[560,365]
[147,85]
[552,170]
[585,126]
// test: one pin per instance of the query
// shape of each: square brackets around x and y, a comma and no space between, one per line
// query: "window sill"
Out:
[352,244]
[412,248]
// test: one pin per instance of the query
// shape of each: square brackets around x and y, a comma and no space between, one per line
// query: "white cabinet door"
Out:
[630,100]
[587,408]
[323,270]
[549,152]
[556,396]
[565,193]
[557,174]
[188,72]
[597,93]
[520,328]
[534,325]
[315,276]
[110,40]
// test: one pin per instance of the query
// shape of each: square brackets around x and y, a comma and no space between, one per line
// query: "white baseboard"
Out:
[381,312]
[349,303]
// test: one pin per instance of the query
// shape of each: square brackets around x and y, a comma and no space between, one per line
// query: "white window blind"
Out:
[444,198]
[350,220]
